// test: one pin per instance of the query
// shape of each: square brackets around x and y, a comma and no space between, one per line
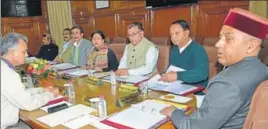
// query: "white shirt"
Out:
[64,47]
[150,62]
[14,96]
[182,49]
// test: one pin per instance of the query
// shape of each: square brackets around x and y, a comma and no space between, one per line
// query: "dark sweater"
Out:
[112,61]
[194,60]
[48,52]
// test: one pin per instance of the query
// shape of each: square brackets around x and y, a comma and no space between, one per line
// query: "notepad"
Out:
[129,79]
[143,115]
[86,119]
[66,115]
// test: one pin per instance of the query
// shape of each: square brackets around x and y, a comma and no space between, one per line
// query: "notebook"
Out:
[66,115]
[63,66]
[144,115]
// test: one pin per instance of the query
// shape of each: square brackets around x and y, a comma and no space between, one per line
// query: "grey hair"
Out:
[11,40]
[136,24]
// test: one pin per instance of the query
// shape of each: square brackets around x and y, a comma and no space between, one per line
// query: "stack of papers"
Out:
[63,66]
[129,79]
[66,115]
[79,72]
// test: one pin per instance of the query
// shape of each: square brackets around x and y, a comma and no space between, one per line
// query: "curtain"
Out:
[259,7]
[60,17]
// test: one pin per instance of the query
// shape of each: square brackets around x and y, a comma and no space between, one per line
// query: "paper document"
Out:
[52,105]
[144,115]
[129,79]
[101,74]
[66,115]
[176,98]
[63,66]
[79,72]
[174,87]
[86,119]
[173,68]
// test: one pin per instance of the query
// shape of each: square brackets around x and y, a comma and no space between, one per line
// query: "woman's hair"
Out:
[98,32]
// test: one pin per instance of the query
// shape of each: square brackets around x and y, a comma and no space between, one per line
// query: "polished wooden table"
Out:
[82,90]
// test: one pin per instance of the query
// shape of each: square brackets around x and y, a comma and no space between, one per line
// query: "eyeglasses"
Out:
[134,34]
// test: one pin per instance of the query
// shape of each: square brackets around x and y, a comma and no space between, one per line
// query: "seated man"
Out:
[13,94]
[81,47]
[229,94]
[187,54]
[66,52]
[101,58]
[48,50]
[140,56]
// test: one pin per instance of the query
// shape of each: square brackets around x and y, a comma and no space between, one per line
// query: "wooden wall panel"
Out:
[32,27]
[107,24]
[205,18]
[162,19]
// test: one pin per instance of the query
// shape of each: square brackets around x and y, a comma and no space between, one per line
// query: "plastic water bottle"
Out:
[113,82]
[70,92]
[102,109]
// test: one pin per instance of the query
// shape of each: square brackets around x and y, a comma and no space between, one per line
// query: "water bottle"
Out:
[113,82]
[102,109]
[70,92]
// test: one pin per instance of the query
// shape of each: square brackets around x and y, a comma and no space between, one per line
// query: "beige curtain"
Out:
[60,17]
[259,7]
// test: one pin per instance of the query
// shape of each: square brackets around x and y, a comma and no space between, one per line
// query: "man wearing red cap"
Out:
[227,101]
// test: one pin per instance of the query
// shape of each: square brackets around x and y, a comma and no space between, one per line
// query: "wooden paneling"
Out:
[162,19]
[32,27]
[107,24]
[205,18]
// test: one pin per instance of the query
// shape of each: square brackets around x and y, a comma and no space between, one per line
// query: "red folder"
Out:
[57,100]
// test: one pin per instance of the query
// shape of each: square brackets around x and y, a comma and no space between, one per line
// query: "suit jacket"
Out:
[84,48]
[227,101]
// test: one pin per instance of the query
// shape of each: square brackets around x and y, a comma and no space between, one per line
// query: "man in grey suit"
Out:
[227,101]
[81,47]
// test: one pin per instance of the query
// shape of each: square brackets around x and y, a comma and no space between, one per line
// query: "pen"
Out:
[74,118]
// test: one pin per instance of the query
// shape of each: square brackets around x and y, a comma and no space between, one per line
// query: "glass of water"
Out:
[144,89]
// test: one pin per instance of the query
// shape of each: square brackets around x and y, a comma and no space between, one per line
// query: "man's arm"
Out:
[18,96]
[200,71]
[220,104]
[150,63]
[123,60]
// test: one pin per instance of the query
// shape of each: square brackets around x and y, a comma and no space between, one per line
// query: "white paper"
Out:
[101,75]
[129,79]
[80,72]
[66,115]
[63,66]
[175,87]
[86,119]
[52,105]
[155,79]
[199,100]
[137,118]
[177,99]
[173,68]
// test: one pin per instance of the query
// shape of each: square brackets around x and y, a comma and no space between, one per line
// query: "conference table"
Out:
[84,90]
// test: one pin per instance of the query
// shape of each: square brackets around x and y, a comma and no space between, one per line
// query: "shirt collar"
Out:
[183,48]
[8,63]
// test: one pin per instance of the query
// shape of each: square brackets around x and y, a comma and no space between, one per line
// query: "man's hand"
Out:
[54,91]
[168,111]
[169,77]
[121,72]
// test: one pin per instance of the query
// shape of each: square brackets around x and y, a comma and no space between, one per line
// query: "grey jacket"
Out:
[84,48]
[226,104]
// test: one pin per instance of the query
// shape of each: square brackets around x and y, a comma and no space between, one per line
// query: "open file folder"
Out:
[144,115]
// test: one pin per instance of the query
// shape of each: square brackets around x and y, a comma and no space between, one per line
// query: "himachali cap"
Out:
[247,22]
